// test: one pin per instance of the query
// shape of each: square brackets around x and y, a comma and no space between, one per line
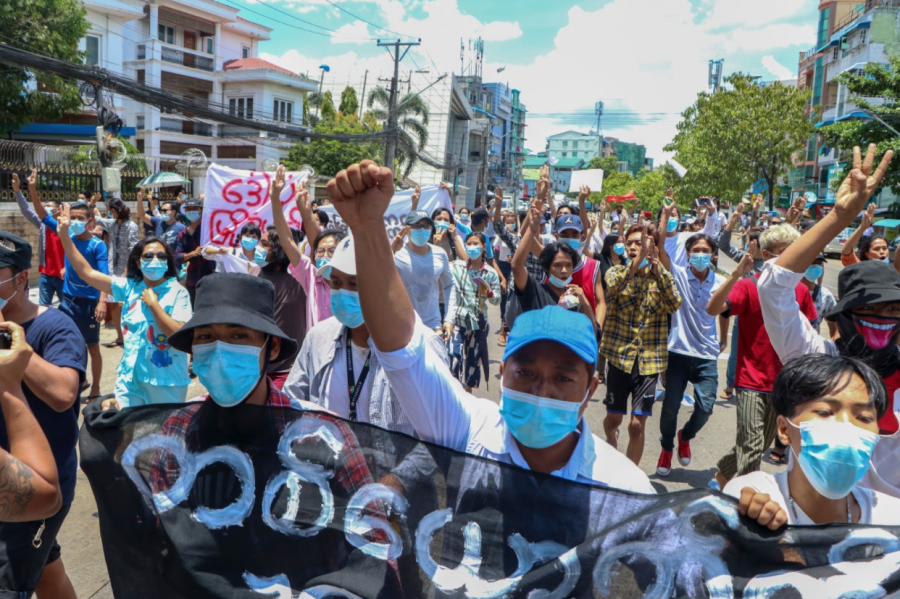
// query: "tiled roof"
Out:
[254,63]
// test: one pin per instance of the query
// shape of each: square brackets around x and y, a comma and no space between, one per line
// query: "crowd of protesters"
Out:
[395,332]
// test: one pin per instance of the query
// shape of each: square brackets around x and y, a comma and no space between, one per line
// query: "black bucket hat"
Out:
[238,299]
[864,283]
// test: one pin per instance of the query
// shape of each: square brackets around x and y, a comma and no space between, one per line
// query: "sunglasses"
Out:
[159,255]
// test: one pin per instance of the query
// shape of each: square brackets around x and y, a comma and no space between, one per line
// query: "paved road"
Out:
[80,535]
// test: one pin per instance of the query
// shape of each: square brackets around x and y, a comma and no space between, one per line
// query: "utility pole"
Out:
[393,49]
[363,99]
[484,166]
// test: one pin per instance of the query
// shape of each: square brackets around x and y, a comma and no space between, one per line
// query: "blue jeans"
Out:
[704,374]
[47,286]
[732,356]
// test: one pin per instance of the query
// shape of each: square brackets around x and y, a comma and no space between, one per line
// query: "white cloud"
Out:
[356,32]
[776,68]
[646,75]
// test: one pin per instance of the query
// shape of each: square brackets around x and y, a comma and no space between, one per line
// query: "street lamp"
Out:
[325,69]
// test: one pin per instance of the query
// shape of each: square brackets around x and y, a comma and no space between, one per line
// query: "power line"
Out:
[365,21]
[296,18]
[267,17]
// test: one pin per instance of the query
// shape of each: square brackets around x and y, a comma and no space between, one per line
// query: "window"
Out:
[245,52]
[835,54]
[92,50]
[166,34]
[237,152]
[565,144]
[283,111]
[242,107]
[565,154]
[862,37]
[210,45]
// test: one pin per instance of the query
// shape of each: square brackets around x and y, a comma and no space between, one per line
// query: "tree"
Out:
[609,164]
[328,111]
[881,81]
[349,102]
[52,28]
[651,189]
[412,120]
[328,157]
[729,139]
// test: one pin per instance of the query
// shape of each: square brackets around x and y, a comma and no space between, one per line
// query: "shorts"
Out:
[133,393]
[21,563]
[81,311]
[620,384]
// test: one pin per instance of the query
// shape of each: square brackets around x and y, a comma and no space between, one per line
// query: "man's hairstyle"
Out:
[701,237]
[133,265]
[648,230]
[336,233]
[548,254]
[323,218]
[866,244]
[776,235]
[815,376]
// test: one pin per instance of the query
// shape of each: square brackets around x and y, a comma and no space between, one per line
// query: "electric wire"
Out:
[365,21]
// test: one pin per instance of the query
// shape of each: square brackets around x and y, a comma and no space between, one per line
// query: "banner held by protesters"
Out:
[279,502]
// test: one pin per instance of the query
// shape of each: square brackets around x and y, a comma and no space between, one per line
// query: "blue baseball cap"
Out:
[552,323]
[569,221]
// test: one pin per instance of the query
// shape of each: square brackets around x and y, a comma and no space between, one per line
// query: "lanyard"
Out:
[355,389]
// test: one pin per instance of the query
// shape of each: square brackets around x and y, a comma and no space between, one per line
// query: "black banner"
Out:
[198,501]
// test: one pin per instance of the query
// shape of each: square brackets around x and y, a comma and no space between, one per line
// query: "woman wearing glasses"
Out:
[154,306]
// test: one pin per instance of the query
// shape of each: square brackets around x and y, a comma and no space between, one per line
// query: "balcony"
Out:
[192,59]
[857,57]
[172,125]
[863,9]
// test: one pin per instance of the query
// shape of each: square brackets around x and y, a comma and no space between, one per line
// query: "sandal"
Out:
[726,395]
[777,458]
[114,344]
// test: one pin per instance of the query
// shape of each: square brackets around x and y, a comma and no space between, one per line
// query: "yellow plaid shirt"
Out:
[636,325]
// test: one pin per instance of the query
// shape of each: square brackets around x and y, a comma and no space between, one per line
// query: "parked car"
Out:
[837,244]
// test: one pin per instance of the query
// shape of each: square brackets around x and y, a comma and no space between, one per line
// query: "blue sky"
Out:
[646,59]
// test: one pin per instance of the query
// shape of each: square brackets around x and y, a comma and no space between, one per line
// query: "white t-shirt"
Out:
[425,278]
[338,392]
[876,507]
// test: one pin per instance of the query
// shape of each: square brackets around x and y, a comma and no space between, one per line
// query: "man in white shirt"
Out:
[425,270]
[547,370]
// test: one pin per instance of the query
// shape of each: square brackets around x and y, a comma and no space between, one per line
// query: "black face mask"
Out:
[861,339]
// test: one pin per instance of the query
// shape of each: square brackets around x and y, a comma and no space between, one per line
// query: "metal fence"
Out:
[65,171]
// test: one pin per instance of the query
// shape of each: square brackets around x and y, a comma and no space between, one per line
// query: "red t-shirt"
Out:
[54,256]
[757,362]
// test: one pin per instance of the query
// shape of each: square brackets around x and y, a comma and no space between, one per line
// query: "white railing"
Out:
[157,50]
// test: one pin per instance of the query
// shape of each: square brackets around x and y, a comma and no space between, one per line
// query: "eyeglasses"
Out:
[323,252]
[159,255]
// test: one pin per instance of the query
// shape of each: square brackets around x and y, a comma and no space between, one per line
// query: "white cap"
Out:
[344,258]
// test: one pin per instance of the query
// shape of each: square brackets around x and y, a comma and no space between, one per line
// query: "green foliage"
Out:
[651,189]
[727,140]
[875,81]
[618,184]
[328,157]
[412,119]
[609,164]
[53,28]
[349,102]
[328,111]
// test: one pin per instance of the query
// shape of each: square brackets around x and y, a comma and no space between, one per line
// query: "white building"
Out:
[573,144]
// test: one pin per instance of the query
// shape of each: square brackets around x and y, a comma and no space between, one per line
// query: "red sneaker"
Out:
[684,451]
[664,465]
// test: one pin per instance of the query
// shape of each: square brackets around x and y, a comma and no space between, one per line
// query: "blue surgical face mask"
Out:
[249,243]
[538,422]
[701,261]
[345,307]
[474,251]
[320,262]
[557,282]
[886,260]
[192,215]
[619,248]
[575,244]
[441,225]
[420,237]
[834,455]
[229,372]
[813,273]
[76,227]
[672,224]
[463,218]
[154,269]
[260,254]
[3,302]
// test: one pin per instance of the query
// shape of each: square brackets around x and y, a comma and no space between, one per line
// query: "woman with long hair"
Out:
[155,307]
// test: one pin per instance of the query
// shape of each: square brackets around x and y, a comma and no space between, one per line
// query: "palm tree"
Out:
[412,121]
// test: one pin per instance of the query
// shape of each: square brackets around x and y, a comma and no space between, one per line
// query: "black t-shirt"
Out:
[536,296]
[55,338]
